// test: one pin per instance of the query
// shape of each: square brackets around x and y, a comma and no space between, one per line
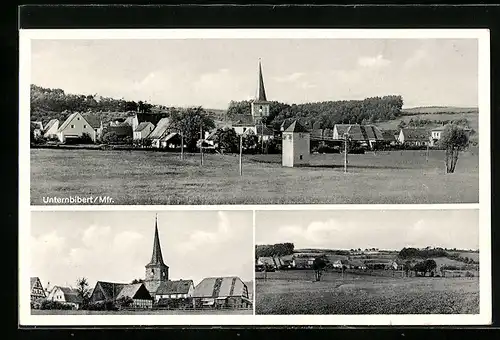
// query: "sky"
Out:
[212,72]
[352,229]
[115,246]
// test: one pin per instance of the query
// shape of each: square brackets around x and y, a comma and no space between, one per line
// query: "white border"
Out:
[26,319]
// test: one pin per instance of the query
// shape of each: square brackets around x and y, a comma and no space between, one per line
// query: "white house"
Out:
[159,132]
[143,130]
[415,137]
[296,145]
[65,295]
[76,125]
[51,129]
[180,289]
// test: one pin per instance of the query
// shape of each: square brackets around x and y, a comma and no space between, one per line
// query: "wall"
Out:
[287,149]
[301,148]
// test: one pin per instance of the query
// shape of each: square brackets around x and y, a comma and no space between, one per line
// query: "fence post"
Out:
[241,152]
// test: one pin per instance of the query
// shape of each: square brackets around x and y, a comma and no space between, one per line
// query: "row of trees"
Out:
[407,253]
[278,249]
[326,114]
[423,122]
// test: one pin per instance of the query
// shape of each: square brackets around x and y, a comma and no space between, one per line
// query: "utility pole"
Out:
[427,153]
[201,145]
[345,151]
[182,145]
[241,154]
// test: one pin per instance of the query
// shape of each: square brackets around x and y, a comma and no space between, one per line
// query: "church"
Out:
[260,107]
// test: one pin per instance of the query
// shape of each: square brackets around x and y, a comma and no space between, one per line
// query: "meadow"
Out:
[296,292]
[146,177]
[144,312]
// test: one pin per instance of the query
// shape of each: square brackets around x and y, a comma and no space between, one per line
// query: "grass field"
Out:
[142,177]
[295,292]
[143,312]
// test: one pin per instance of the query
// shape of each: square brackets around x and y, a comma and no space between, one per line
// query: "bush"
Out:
[47,304]
[102,306]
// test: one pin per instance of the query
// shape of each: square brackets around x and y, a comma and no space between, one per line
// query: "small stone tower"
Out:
[260,105]
[156,269]
[296,145]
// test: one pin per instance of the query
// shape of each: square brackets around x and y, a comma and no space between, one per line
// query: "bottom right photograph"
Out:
[367,262]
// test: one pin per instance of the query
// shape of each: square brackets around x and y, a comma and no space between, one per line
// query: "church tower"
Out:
[156,269]
[260,106]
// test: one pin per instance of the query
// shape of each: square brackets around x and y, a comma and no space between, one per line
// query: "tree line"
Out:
[278,249]
[326,114]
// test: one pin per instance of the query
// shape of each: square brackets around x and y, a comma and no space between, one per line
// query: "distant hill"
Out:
[421,110]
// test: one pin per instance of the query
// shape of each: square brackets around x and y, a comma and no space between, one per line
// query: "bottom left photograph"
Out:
[141,262]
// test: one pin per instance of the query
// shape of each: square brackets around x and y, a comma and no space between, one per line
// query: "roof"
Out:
[37,125]
[70,294]
[213,287]
[132,290]
[174,287]
[359,132]
[439,128]
[267,131]
[33,281]
[51,123]
[243,119]
[93,120]
[67,121]
[296,127]
[389,135]
[156,257]
[142,126]
[160,129]
[170,136]
[130,120]
[261,91]
[121,130]
[110,290]
[415,134]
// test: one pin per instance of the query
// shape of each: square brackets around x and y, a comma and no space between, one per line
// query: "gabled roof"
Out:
[134,291]
[214,287]
[67,122]
[390,135]
[160,129]
[37,125]
[174,287]
[439,128]
[142,126]
[266,131]
[70,294]
[110,290]
[51,123]
[359,132]
[93,120]
[296,127]
[33,281]
[415,134]
[171,135]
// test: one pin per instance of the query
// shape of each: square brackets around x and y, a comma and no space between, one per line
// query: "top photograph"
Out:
[251,120]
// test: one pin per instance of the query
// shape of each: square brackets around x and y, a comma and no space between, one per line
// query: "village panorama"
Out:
[370,150]
[324,277]
[157,292]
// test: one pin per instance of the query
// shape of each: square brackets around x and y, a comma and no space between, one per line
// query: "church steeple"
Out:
[157,257]
[261,91]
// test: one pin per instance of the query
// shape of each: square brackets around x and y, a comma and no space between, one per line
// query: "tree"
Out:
[319,265]
[83,291]
[227,140]
[110,137]
[189,121]
[454,139]
[134,281]
[250,141]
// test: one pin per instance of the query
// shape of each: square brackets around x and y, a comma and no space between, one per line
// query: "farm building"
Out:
[51,128]
[78,125]
[221,292]
[37,291]
[160,131]
[156,269]
[304,262]
[65,295]
[271,261]
[436,134]
[364,134]
[110,291]
[180,289]
[414,137]
[296,145]
[143,130]
[341,264]
[390,136]
[357,264]
[171,141]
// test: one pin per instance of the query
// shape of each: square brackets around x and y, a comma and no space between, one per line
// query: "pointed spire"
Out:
[157,257]
[261,91]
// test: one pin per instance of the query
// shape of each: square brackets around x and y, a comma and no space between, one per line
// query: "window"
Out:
[84,126]
[72,126]
[300,157]
[77,118]
[152,271]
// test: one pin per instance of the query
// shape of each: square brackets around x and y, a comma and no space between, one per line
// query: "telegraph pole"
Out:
[201,145]
[241,153]
[182,145]
[427,153]
[345,151]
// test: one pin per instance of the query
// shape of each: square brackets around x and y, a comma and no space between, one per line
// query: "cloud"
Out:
[203,239]
[289,78]
[417,58]
[378,61]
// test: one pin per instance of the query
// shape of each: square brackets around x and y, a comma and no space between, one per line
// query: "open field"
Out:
[439,109]
[144,312]
[295,292]
[143,177]
[472,117]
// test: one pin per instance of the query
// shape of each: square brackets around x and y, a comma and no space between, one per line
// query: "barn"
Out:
[180,289]
[110,291]
[221,292]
